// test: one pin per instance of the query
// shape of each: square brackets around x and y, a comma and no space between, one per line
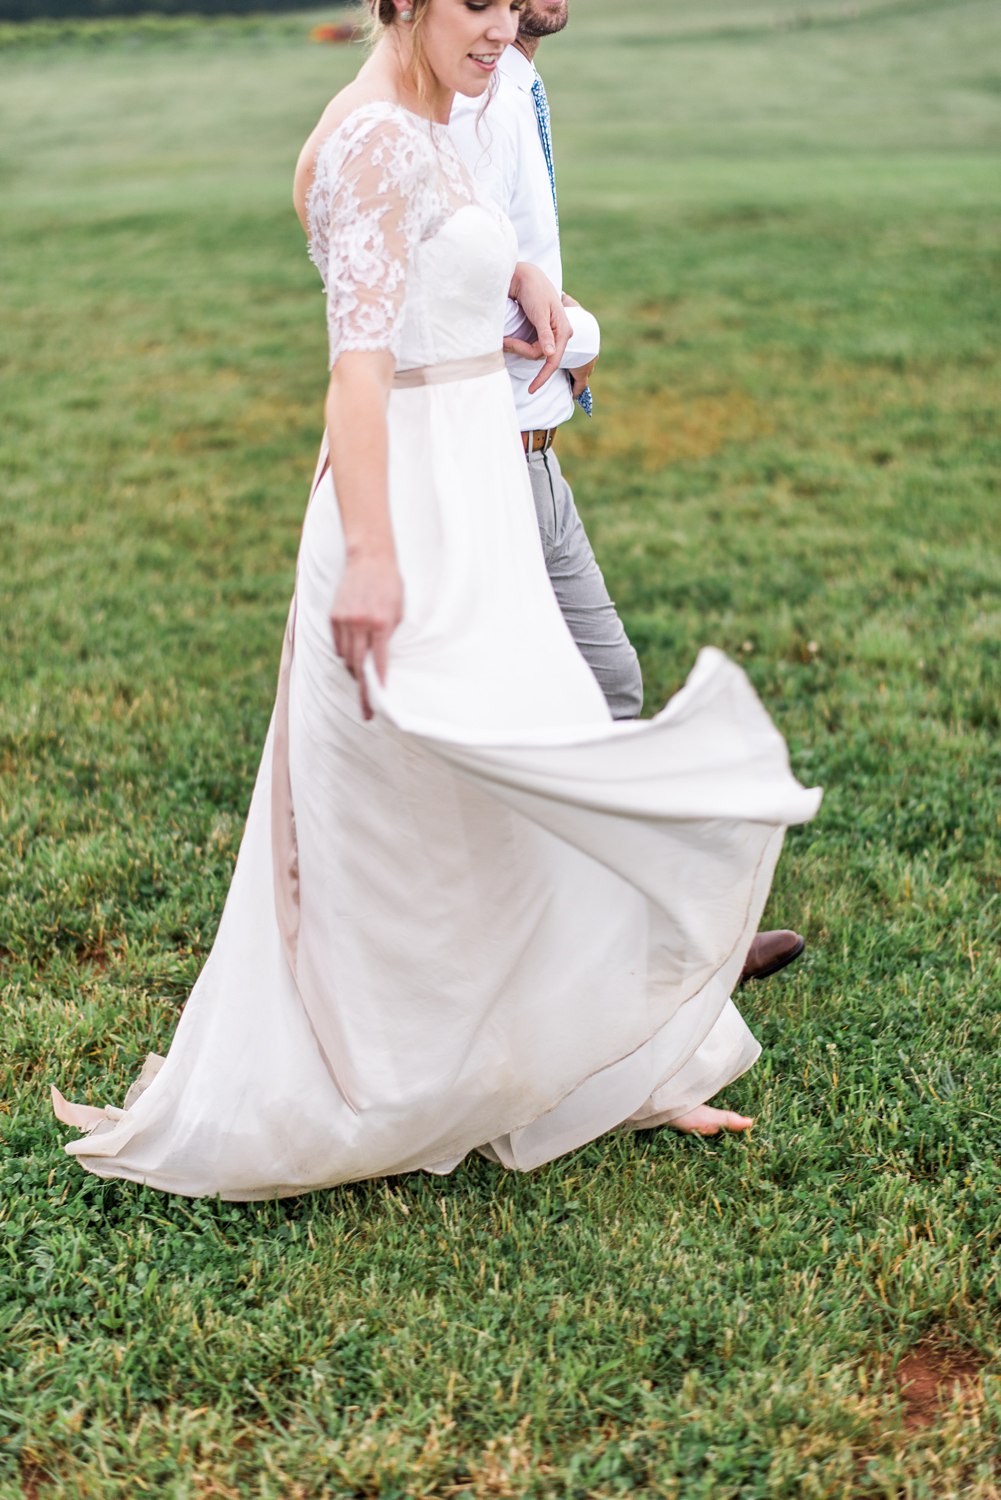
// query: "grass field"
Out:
[787,217]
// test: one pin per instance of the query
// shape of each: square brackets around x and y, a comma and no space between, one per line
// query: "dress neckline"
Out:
[380,105]
[436,134]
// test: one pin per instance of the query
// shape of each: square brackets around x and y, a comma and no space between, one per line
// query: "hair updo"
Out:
[385,16]
[384,12]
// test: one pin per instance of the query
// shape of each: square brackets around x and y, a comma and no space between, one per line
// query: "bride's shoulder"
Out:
[353,121]
[354,118]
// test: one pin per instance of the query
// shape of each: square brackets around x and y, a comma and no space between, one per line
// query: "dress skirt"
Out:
[490,917]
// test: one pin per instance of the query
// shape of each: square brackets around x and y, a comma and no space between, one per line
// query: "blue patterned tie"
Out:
[545,135]
[584,400]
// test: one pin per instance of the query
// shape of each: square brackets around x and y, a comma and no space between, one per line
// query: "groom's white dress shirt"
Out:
[502,148]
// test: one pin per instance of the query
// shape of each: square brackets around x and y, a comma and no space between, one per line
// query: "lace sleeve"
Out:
[366,209]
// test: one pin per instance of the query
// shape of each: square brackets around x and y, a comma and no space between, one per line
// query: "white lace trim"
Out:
[385,180]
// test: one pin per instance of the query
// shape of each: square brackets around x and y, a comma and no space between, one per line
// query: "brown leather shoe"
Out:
[770,952]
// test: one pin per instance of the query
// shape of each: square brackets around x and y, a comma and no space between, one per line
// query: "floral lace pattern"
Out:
[385,181]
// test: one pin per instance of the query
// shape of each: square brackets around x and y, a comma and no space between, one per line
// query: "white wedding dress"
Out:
[490,917]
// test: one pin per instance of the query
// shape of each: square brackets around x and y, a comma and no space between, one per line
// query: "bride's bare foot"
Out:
[704,1120]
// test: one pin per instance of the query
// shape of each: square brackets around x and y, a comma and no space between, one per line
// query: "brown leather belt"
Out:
[538,441]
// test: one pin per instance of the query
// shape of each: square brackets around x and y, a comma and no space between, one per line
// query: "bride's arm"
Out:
[493,163]
[368,604]
[543,307]
[373,203]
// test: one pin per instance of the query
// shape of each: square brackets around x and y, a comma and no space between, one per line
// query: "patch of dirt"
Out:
[655,428]
[31,1480]
[928,1376]
[96,957]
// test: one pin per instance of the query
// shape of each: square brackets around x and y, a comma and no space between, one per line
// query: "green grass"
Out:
[787,217]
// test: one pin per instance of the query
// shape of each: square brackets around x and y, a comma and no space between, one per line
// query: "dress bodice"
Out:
[412,259]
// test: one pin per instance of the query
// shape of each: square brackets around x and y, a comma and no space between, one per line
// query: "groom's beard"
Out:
[544,21]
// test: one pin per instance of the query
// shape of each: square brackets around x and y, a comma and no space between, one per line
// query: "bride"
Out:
[469,910]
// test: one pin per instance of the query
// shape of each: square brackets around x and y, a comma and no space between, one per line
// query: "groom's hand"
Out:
[581,378]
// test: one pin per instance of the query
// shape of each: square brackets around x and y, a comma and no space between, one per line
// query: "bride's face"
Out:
[462,41]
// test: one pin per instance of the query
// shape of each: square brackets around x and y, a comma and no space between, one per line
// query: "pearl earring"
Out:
[406,15]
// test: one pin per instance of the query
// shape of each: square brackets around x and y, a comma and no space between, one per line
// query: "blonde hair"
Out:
[384,15]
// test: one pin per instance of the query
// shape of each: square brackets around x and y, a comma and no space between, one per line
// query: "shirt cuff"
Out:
[585,341]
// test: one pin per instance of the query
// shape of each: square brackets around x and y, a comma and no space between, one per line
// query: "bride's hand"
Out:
[368,606]
[543,307]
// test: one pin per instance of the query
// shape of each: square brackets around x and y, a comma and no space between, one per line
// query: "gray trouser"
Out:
[580,589]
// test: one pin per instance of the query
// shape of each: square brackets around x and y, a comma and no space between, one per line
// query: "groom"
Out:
[509,150]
